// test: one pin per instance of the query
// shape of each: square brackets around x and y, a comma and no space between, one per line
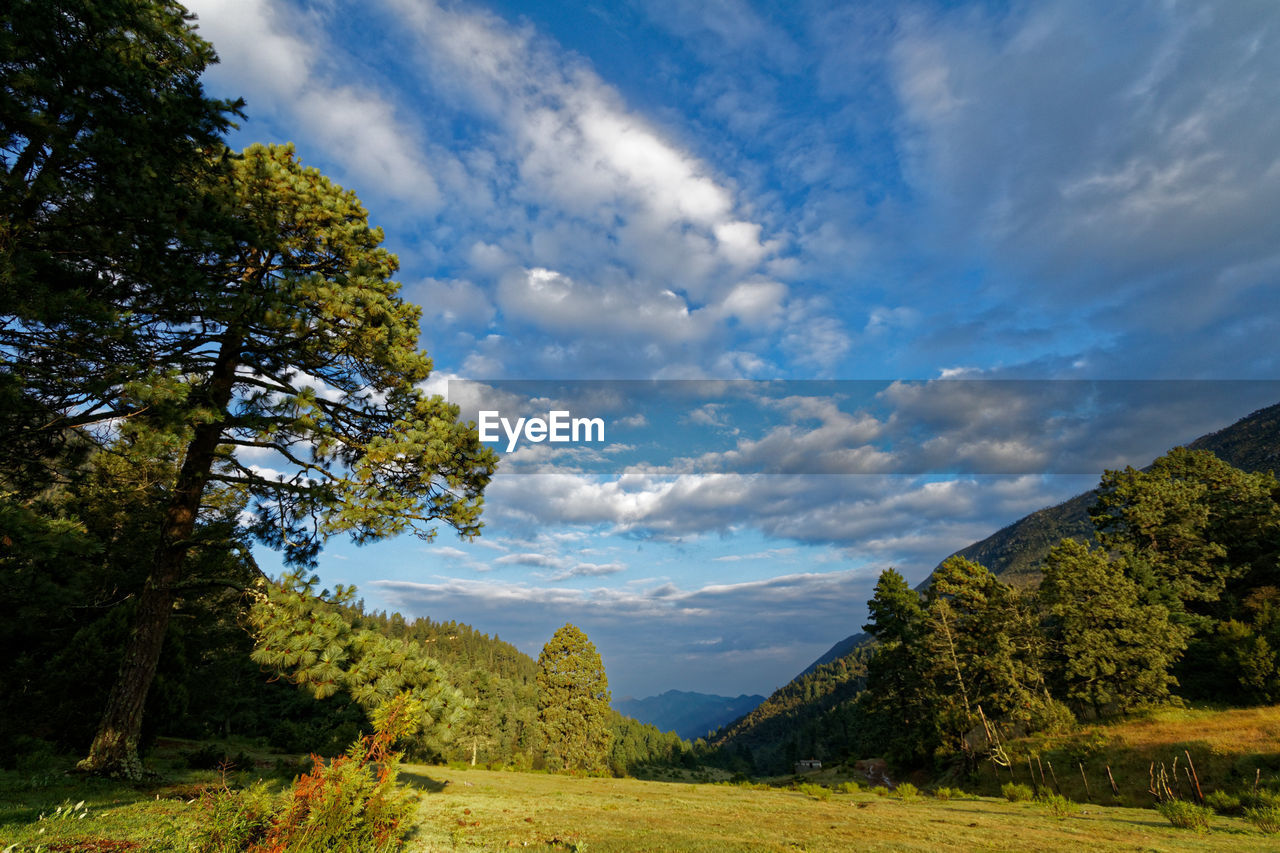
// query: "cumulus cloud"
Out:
[280,59]
[912,521]
[908,473]
[635,238]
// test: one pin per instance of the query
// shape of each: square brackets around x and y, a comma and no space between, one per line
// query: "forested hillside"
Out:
[1192,567]
[810,717]
[70,630]
[1016,552]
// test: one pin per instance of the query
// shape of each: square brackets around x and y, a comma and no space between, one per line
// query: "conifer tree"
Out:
[896,704]
[107,143]
[304,636]
[573,702]
[302,350]
[1108,649]
[982,651]
[1193,527]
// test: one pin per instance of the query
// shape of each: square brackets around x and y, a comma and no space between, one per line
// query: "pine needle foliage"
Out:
[351,804]
[304,636]
[573,702]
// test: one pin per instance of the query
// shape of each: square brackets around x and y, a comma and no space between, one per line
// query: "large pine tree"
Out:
[1108,649]
[302,352]
[107,144]
[573,702]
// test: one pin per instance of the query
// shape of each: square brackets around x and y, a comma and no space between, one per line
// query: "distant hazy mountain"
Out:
[690,715]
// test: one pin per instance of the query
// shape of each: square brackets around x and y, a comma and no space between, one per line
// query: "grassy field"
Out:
[1229,749]
[472,809]
[491,810]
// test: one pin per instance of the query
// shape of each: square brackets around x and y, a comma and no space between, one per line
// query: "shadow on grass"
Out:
[24,797]
[422,781]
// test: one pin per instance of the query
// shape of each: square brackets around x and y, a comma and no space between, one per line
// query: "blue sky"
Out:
[884,197]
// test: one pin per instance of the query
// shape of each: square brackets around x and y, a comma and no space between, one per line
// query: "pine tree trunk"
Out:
[115,747]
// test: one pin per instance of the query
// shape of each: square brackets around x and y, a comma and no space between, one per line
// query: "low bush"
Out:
[1185,815]
[1016,793]
[351,804]
[947,793]
[235,821]
[849,787]
[1059,806]
[816,791]
[907,792]
[1223,802]
[1265,818]
[1260,799]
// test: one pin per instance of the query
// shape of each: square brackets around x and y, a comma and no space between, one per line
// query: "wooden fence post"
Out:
[1195,776]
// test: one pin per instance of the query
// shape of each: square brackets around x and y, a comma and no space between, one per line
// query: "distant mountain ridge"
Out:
[1014,552]
[690,715]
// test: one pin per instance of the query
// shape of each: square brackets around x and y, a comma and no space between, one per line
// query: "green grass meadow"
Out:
[475,809]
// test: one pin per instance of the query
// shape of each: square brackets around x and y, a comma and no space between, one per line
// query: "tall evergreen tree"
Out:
[1108,649]
[896,710]
[302,349]
[1202,538]
[107,144]
[983,655]
[1195,528]
[573,702]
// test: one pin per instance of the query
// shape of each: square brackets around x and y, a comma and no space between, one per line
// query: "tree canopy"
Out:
[573,702]
[302,350]
[107,146]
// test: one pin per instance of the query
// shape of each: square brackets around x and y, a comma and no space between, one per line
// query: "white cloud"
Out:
[635,236]
[282,61]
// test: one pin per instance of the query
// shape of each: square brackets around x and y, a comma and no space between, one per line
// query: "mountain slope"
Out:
[836,652]
[1014,552]
[806,718]
[690,715]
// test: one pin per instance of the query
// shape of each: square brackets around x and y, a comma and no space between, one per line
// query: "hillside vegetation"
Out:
[1018,550]
[1229,750]
[1188,563]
